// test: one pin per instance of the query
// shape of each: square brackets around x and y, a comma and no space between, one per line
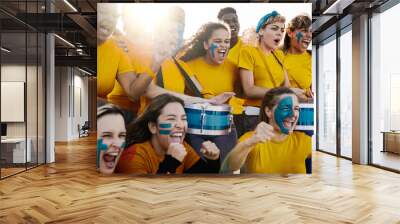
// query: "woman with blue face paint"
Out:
[273,147]
[206,56]
[260,66]
[111,134]
[297,60]
[156,143]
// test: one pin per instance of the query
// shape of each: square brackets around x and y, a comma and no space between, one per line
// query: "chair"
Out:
[84,130]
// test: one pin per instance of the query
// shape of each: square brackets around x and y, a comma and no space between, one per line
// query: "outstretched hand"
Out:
[221,98]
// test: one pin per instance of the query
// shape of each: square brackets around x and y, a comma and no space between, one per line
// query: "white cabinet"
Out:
[18,149]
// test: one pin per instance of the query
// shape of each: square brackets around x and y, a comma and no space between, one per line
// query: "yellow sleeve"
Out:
[306,144]
[191,157]
[124,65]
[246,136]
[246,59]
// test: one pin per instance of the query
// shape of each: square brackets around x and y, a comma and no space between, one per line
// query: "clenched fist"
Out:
[264,132]
[177,151]
[209,150]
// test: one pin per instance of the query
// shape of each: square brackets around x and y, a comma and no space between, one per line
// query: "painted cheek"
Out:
[100,147]
[299,36]
[123,145]
[281,114]
[212,49]
[164,128]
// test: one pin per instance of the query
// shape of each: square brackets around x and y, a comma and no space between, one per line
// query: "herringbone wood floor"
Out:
[71,191]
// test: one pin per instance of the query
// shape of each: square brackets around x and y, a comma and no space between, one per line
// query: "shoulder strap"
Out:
[266,67]
[188,81]
[159,78]
[276,58]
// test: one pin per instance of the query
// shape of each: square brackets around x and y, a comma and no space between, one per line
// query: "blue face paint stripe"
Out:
[123,145]
[165,125]
[100,147]
[299,36]
[164,132]
[212,48]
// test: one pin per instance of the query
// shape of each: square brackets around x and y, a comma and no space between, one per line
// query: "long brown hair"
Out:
[195,47]
[271,99]
[138,131]
[299,22]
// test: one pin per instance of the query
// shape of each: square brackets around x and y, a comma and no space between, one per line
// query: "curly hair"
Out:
[195,47]
[224,11]
[302,21]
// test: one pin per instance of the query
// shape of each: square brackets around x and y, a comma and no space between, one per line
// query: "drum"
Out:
[306,118]
[206,119]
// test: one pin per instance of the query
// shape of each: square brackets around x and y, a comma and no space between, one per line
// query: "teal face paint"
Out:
[100,147]
[299,36]
[165,125]
[284,110]
[166,131]
[212,49]
[123,145]
[103,147]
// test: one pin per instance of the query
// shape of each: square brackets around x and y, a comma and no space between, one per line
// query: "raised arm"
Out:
[238,156]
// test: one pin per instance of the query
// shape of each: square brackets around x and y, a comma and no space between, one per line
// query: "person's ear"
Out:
[205,45]
[268,112]
[261,32]
[290,33]
[152,127]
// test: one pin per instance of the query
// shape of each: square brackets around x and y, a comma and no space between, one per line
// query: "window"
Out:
[385,88]
[346,92]
[327,96]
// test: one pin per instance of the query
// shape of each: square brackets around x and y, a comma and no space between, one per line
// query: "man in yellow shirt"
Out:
[228,15]
[273,147]
[112,63]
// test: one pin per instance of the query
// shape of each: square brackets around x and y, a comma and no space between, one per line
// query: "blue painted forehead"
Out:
[264,19]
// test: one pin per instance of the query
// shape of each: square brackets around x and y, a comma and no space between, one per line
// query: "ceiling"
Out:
[76,23]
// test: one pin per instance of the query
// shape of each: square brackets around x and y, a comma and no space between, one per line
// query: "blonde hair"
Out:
[252,38]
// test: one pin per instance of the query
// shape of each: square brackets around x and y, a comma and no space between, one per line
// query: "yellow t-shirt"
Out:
[111,60]
[234,52]
[140,59]
[142,159]
[217,79]
[280,158]
[298,67]
[251,58]
[172,80]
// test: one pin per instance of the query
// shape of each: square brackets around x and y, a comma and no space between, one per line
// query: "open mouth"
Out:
[110,159]
[289,123]
[222,53]
[176,137]
[277,41]
[306,42]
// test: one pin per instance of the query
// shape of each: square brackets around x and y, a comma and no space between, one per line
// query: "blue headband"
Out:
[264,19]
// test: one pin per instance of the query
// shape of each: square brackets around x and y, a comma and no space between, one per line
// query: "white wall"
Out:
[69,85]
[33,127]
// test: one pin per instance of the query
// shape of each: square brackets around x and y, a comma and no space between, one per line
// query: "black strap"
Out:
[188,81]
[159,78]
[279,62]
